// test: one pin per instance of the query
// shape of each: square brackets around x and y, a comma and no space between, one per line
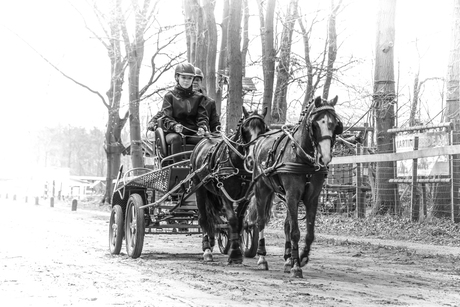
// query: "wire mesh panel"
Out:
[157,179]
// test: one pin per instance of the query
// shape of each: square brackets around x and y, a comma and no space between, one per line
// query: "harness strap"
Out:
[227,141]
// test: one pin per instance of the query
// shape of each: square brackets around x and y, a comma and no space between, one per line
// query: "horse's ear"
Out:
[318,101]
[246,114]
[334,101]
[264,112]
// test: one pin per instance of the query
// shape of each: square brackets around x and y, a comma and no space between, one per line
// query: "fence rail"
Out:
[398,156]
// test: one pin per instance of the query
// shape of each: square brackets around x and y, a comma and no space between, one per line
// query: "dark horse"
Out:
[292,162]
[222,181]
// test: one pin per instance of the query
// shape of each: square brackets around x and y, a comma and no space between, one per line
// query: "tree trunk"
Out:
[310,90]
[210,74]
[190,29]
[268,54]
[222,65]
[244,49]
[201,40]
[384,98]
[332,49]
[135,53]
[113,144]
[279,108]
[452,111]
[413,107]
[235,99]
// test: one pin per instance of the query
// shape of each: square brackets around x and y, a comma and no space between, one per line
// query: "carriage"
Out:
[159,199]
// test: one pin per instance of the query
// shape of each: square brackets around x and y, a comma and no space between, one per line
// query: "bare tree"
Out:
[223,55]
[332,48]
[453,102]
[210,67]
[235,100]
[320,72]
[266,17]
[279,107]
[384,99]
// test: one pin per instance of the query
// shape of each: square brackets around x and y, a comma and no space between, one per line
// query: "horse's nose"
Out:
[326,160]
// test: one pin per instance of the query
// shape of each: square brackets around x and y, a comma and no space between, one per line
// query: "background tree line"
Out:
[76,148]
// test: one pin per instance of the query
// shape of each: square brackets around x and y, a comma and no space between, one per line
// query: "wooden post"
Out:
[360,208]
[423,200]
[413,202]
[36,201]
[74,204]
[52,202]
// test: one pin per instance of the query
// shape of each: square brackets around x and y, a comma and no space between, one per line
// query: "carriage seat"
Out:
[162,149]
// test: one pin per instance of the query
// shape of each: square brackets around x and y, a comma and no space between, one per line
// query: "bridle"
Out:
[240,142]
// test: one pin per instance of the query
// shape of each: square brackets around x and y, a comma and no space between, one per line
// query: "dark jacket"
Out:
[186,107]
[211,109]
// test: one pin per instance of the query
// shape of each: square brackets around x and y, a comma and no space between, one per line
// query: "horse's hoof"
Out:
[287,266]
[296,273]
[263,266]
[235,261]
[207,256]
[303,262]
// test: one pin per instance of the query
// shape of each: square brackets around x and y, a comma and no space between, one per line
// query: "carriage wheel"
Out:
[134,226]
[223,242]
[116,230]
[250,239]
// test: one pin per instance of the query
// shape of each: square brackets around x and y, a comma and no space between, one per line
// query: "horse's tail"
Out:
[213,206]
[251,213]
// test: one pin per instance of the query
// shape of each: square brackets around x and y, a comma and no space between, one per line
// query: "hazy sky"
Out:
[34,95]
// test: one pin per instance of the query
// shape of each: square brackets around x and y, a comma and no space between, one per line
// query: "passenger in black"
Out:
[210,104]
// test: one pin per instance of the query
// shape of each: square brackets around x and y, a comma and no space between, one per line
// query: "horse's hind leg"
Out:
[263,197]
[287,246]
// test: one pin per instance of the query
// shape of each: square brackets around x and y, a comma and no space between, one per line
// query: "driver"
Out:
[184,111]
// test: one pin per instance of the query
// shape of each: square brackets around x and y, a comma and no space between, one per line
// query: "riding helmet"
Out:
[185,69]
[199,73]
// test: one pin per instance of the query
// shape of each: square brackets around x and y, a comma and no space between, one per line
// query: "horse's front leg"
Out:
[311,206]
[205,224]
[235,256]
[207,247]
[292,201]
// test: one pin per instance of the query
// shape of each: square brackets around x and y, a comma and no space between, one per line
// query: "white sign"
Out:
[429,166]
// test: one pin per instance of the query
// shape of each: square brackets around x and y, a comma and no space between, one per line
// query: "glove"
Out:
[200,132]
[152,126]
[178,128]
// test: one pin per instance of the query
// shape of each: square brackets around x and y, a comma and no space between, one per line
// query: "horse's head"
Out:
[325,126]
[252,125]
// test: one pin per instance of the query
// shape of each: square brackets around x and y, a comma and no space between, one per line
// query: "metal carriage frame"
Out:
[160,199]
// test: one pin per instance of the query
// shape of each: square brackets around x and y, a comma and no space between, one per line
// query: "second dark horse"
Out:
[222,182]
[292,163]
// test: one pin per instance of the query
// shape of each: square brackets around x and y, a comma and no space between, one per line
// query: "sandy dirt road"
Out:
[58,257]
